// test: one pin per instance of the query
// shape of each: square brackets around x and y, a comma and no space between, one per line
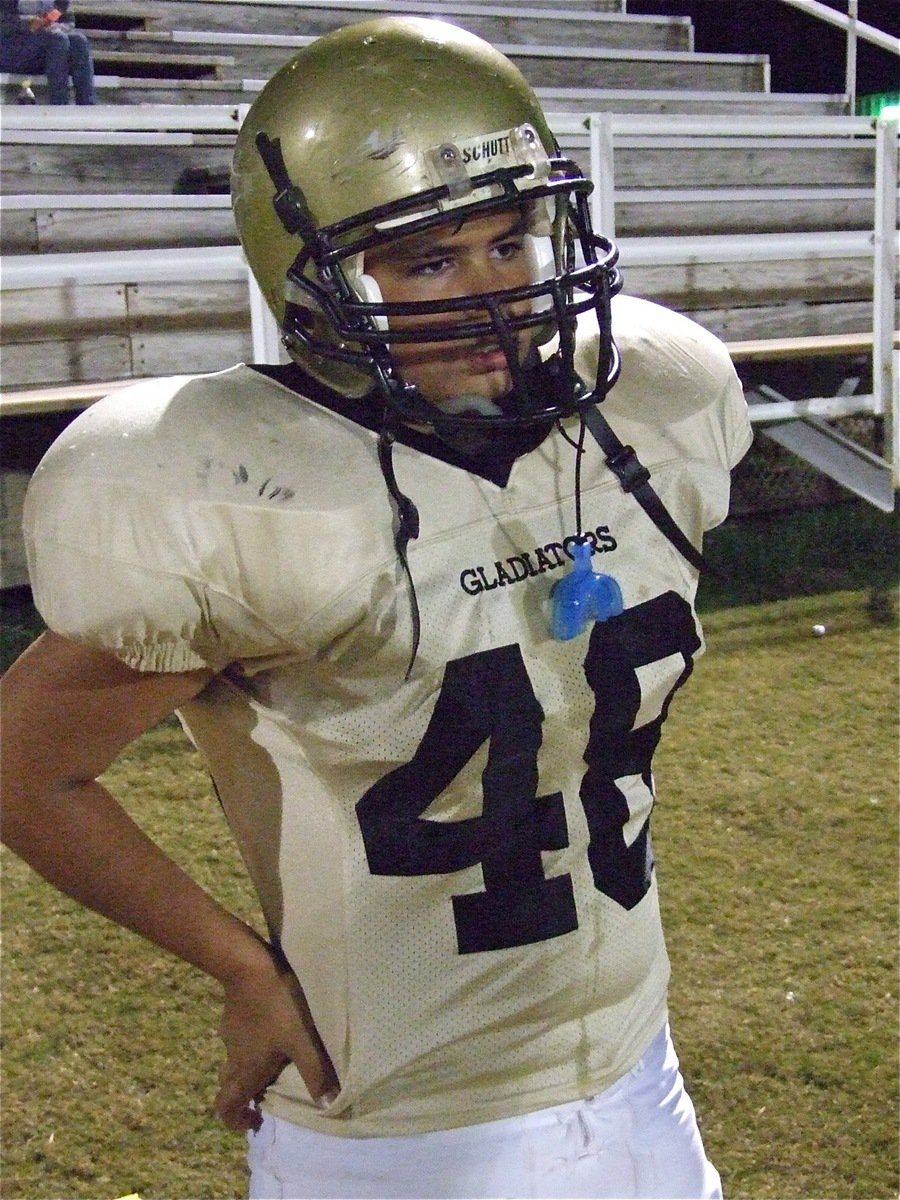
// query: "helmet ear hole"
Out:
[368,291]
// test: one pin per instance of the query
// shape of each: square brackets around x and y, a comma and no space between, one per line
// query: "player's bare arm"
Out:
[67,712]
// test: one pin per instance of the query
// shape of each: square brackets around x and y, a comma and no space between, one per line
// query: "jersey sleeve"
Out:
[121,560]
[732,416]
[730,433]
[680,403]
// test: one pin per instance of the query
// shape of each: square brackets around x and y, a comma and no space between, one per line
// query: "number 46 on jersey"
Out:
[488,697]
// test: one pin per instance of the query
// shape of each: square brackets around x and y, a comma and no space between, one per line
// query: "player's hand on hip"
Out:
[266,1024]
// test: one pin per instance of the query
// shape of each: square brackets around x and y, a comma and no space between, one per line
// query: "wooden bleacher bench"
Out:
[47,224]
[137,90]
[534,23]
[139,64]
[54,398]
[123,89]
[547,64]
[120,17]
[191,14]
[784,348]
[674,101]
[68,397]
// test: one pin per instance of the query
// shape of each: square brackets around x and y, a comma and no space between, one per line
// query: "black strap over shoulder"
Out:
[635,478]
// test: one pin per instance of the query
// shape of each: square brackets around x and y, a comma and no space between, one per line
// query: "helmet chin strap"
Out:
[479,440]
[467,439]
[406,528]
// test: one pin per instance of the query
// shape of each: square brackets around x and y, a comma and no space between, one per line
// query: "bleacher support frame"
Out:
[881,243]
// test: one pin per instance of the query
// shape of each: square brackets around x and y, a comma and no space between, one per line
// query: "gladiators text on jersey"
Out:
[530,563]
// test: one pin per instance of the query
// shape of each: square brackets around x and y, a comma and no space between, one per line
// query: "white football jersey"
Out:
[457,862]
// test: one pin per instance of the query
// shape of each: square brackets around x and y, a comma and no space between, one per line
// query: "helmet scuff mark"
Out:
[382,146]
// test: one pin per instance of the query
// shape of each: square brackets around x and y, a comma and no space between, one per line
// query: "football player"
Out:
[422,596]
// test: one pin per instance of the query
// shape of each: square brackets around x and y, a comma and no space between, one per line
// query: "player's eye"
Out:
[509,248]
[428,266]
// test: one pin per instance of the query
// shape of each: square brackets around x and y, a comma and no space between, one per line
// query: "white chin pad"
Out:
[471,403]
[367,289]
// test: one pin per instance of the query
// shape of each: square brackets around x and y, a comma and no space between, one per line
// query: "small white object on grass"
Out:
[819,630]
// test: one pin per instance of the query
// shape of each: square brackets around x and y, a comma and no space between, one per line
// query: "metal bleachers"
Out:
[545,63]
[197,22]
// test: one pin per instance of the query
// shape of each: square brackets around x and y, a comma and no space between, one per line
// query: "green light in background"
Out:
[882,104]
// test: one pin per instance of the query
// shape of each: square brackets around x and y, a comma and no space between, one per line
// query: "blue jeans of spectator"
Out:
[56,53]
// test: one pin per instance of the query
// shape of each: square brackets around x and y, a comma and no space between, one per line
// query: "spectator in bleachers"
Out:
[39,37]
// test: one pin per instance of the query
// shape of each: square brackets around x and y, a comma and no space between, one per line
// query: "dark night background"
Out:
[806,55]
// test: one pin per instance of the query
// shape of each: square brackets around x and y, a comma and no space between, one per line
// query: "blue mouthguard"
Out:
[582,596]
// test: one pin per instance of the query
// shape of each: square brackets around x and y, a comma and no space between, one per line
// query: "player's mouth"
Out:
[484,360]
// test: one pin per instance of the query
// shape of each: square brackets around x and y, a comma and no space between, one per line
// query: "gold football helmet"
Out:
[392,127]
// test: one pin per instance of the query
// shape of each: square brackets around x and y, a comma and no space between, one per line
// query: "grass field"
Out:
[776,839]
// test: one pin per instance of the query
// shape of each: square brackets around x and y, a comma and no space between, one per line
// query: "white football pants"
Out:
[639,1138]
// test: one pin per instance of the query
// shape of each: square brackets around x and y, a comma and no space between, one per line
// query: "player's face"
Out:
[484,254]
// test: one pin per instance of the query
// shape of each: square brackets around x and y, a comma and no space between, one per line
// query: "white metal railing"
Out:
[112,201]
[855,29]
[886,360]
[181,264]
[127,118]
[601,133]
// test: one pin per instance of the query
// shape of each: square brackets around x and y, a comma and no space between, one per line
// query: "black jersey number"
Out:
[488,697]
[485,697]
[643,635]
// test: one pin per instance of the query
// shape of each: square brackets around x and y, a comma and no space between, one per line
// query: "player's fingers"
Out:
[311,1059]
[240,1120]
[240,1090]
